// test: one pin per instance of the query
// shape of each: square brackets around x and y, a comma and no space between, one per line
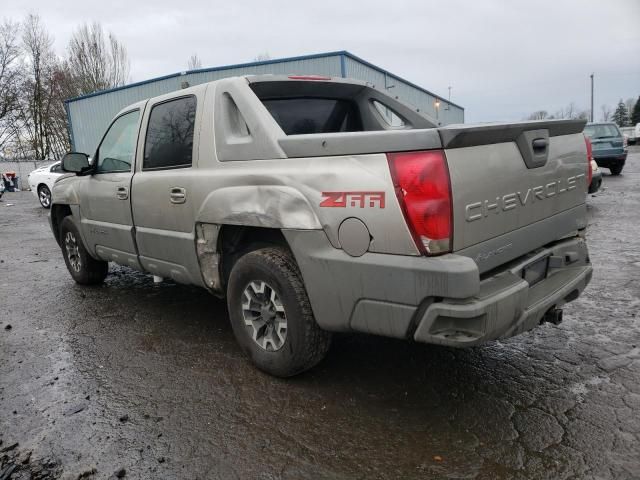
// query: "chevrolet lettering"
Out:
[478,210]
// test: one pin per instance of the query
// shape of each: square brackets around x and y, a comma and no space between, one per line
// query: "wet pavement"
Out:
[146,381]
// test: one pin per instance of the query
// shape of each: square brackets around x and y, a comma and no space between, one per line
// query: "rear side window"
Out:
[299,116]
[601,131]
[389,115]
[169,140]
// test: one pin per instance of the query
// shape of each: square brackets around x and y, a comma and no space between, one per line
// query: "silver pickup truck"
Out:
[319,205]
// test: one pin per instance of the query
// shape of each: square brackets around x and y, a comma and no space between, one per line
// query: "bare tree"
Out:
[571,112]
[567,112]
[40,120]
[9,80]
[60,89]
[37,45]
[34,83]
[96,62]
[583,115]
[119,62]
[605,113]
[194,62]
[539,115]
[262,57]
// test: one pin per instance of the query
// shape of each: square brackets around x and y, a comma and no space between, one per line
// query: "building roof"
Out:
[343,53]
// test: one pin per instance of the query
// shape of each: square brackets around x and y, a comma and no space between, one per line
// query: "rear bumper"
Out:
[596,182]
[507,305]
[610,160]
[438,300]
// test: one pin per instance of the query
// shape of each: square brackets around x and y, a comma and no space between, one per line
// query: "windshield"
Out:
[601,131]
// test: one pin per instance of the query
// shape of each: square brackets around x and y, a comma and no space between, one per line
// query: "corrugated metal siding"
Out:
[91,115]
[359,71]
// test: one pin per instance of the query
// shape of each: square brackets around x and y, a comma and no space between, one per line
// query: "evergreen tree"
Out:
[621,115]
[635,113]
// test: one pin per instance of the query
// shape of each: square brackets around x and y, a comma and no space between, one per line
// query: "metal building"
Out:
[89,115]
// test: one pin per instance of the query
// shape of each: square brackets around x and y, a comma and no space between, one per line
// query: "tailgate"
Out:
[607,146]
[515,187]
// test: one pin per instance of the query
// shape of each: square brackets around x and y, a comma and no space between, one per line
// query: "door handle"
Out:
[539,145]
[178,195]
[122,193]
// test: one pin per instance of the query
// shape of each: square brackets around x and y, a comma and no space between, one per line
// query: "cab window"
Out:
[118,147]
[299,116]
[169,140]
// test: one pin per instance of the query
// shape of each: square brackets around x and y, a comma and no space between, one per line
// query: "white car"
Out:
[41,182]
[631,133]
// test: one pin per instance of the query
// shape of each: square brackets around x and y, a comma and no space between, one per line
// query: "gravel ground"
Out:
[145,381]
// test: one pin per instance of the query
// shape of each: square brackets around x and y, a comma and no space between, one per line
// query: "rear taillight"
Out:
[589,158]
[313,78]
[423,187]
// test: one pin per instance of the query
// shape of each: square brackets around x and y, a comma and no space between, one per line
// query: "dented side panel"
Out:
[293,194]
[208,255]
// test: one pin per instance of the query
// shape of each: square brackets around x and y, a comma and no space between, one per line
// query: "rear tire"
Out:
[44,195]
[84,269]
[271,315]
[616,170]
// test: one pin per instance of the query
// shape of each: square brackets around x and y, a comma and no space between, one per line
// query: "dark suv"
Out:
[609,149]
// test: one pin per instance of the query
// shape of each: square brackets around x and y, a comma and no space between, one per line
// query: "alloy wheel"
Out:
[73,252]
[45,197]
[264,316]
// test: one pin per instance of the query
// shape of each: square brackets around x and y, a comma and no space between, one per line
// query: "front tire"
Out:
[44,195]
[271,315]
[84,269]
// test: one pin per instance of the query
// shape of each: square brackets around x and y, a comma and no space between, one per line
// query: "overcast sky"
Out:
[503,59]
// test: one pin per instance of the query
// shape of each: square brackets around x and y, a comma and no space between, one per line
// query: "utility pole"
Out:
[591,97]
[448,107]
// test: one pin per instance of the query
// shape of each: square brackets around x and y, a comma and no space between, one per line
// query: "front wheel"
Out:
[44,195]
[84,269]
[271,315]
[617,170]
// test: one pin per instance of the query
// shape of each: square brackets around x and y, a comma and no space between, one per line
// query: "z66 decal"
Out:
[352,199]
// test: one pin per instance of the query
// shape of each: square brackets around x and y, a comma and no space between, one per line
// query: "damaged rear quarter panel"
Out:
[287,193]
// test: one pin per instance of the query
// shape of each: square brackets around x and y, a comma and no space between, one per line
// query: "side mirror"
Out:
[76,162]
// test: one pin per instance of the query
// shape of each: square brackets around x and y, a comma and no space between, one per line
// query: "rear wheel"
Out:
[617,170]
[84,269]
[271,315]
[44,195]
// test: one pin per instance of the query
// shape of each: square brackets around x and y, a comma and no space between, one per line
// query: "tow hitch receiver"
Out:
[553,315]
